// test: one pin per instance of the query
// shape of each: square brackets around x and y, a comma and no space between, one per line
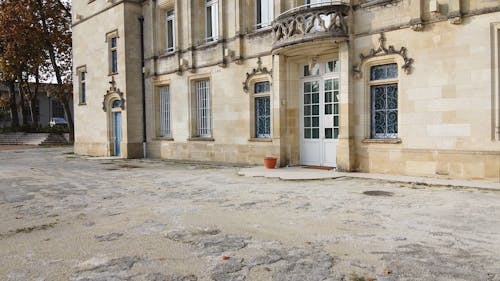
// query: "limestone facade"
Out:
[383,86]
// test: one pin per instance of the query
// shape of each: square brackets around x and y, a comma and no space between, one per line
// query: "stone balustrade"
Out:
[308,23]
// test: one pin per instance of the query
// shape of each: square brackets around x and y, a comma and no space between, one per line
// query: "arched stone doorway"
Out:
[114,106]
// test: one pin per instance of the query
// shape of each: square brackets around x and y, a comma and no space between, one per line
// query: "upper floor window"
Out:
[264,13]
[113,55]
[384,101]
[211,20]
[82,73]
[170,31]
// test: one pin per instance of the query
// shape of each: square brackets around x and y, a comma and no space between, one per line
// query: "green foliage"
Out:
[4,114]
[31,129]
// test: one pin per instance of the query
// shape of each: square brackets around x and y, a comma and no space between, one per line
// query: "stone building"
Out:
[44,108]
[385,86]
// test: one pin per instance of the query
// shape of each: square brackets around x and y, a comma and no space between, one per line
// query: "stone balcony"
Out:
[310,23]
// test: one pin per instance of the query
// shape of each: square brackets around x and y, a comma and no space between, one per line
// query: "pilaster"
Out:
[345,147]
[279,105]
[454,13]
[416,23]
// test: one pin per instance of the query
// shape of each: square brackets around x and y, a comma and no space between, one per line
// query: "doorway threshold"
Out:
[291,173]
[325,168]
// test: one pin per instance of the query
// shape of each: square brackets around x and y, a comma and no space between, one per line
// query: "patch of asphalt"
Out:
[288,264]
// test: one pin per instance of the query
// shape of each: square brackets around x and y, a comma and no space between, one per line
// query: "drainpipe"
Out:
[144,136]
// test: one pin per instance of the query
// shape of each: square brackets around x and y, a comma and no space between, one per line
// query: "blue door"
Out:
[117,132]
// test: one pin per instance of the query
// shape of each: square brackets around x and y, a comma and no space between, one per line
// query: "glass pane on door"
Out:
[311,110]
[331,106]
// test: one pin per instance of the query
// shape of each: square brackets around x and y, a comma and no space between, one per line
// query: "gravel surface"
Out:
[67,217]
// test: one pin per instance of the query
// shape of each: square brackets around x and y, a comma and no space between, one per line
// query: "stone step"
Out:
[55,139]
[33,138]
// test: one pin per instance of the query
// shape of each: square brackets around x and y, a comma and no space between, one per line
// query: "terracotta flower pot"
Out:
[270,162]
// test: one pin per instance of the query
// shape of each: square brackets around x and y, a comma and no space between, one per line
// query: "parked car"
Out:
[58,121]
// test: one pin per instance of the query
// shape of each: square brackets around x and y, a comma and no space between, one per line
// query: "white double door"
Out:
[319,121]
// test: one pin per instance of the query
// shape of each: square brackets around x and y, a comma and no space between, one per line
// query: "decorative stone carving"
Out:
[112,94]
[382,51]
[416,25]
[309,23]
[256,71]
[455,17]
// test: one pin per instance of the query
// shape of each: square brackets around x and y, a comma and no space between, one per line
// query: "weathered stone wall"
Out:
[92,124]
[231,117]
[447,104]
[90,49]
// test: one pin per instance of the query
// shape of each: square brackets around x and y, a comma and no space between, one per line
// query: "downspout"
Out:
[144,136]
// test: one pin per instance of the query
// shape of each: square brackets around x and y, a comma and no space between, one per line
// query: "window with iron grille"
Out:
[384,101]
[262,109]
[203,110]
[164,114]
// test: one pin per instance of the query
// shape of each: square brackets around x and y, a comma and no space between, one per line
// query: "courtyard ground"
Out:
[67,217]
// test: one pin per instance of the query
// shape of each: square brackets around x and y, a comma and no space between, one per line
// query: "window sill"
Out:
[384,141]
[82,103]
[164,139]
[260,31]
[260,140]
[201,139]
[207,44]
[168,54]
[112,73]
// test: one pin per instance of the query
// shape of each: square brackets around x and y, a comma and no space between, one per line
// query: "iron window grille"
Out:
[384,101]
[164,99]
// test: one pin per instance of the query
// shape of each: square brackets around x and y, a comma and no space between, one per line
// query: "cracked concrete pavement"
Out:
[66,217]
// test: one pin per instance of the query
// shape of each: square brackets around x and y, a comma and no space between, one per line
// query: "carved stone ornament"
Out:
[455,18]
[310,23]
[112,94]
[416,25]
[382,51]
[256,71]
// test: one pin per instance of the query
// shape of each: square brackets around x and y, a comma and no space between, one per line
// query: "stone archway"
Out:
[114,104]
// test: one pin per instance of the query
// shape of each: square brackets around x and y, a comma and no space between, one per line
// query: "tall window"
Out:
[203,122]
[211,20]
[164,100]
[113,55]
[264,13]
[170,31]
[384,101]
[262,112]
[83,90]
